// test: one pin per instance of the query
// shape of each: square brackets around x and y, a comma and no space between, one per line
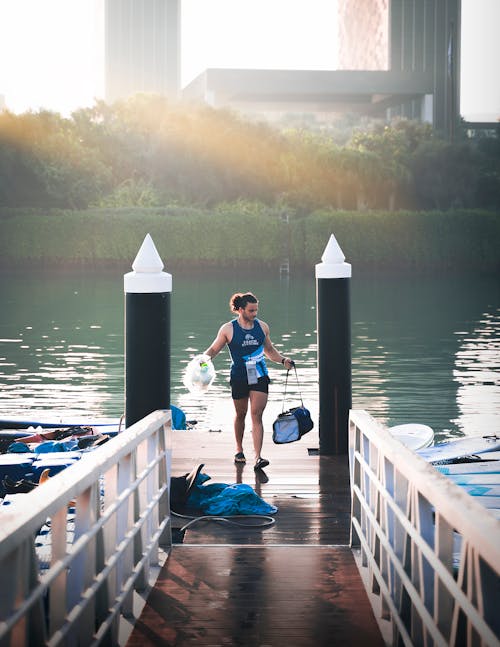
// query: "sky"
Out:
[51,51]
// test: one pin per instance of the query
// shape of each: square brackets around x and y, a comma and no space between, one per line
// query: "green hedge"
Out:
[421,241]
[252,235]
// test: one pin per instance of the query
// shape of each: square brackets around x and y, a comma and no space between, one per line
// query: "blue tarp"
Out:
[225,500]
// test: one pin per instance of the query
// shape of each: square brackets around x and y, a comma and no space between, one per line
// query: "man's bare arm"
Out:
[271,351]
[220,341]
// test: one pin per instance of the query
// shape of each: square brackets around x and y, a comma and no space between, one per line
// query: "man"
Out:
[249,343]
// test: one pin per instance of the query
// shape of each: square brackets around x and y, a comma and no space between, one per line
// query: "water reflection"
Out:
[66,353]
[423,349]
[404,358]
[477,372]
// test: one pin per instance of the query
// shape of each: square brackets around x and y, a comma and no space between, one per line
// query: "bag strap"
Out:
[286,385]
[298,385]
[284,394]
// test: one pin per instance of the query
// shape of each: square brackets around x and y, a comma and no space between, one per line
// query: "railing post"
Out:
[334,349]
[147,335]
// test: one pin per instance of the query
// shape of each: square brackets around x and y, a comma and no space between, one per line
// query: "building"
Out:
[397,57]
[142,47]
[419,39]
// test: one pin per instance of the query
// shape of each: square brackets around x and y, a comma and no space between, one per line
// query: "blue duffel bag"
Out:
[291,425]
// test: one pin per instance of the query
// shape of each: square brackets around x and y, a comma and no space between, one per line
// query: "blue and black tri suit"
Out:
[247,345]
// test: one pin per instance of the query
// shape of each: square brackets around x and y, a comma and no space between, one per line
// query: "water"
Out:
[424,349]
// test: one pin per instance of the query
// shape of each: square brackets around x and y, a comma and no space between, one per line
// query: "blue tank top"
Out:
[244,346]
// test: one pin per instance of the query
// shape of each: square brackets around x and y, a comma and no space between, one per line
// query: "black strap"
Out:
[286,385]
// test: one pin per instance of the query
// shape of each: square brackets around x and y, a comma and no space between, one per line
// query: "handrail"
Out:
[410,522]
[99,553]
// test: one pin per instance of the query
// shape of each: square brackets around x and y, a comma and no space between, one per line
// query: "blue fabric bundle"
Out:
[178,418]
[56,446]
[18,447]
[223,500]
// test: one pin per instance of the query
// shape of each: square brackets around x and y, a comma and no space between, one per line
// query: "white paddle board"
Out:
[492,456]
[462,447]
[413,435]
[488,479]
[483,490]
[476,467]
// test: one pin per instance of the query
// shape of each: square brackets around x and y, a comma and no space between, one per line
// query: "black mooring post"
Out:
[333,277]
[147,335]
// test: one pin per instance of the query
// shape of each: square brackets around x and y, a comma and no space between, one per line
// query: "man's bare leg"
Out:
[240,408]
[258,403]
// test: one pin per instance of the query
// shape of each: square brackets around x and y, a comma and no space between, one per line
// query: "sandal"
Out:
[262,462]
[240,458]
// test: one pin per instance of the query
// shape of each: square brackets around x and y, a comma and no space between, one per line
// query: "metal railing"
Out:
[430,552]
[105,519]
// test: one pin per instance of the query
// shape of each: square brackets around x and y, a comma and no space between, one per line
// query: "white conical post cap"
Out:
[333,253]
[147,259]
[147,276]
[333,265]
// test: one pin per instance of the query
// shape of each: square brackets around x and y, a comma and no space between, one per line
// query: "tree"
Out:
[445,174]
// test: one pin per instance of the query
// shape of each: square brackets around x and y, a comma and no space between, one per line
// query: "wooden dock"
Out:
[294,583]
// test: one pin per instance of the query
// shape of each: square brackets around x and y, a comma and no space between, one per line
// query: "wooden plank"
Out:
[277,596]
[311,492]
[294,583]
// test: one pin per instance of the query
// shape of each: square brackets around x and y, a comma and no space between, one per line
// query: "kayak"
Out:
[30,447]
[107,424]
[104,425]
